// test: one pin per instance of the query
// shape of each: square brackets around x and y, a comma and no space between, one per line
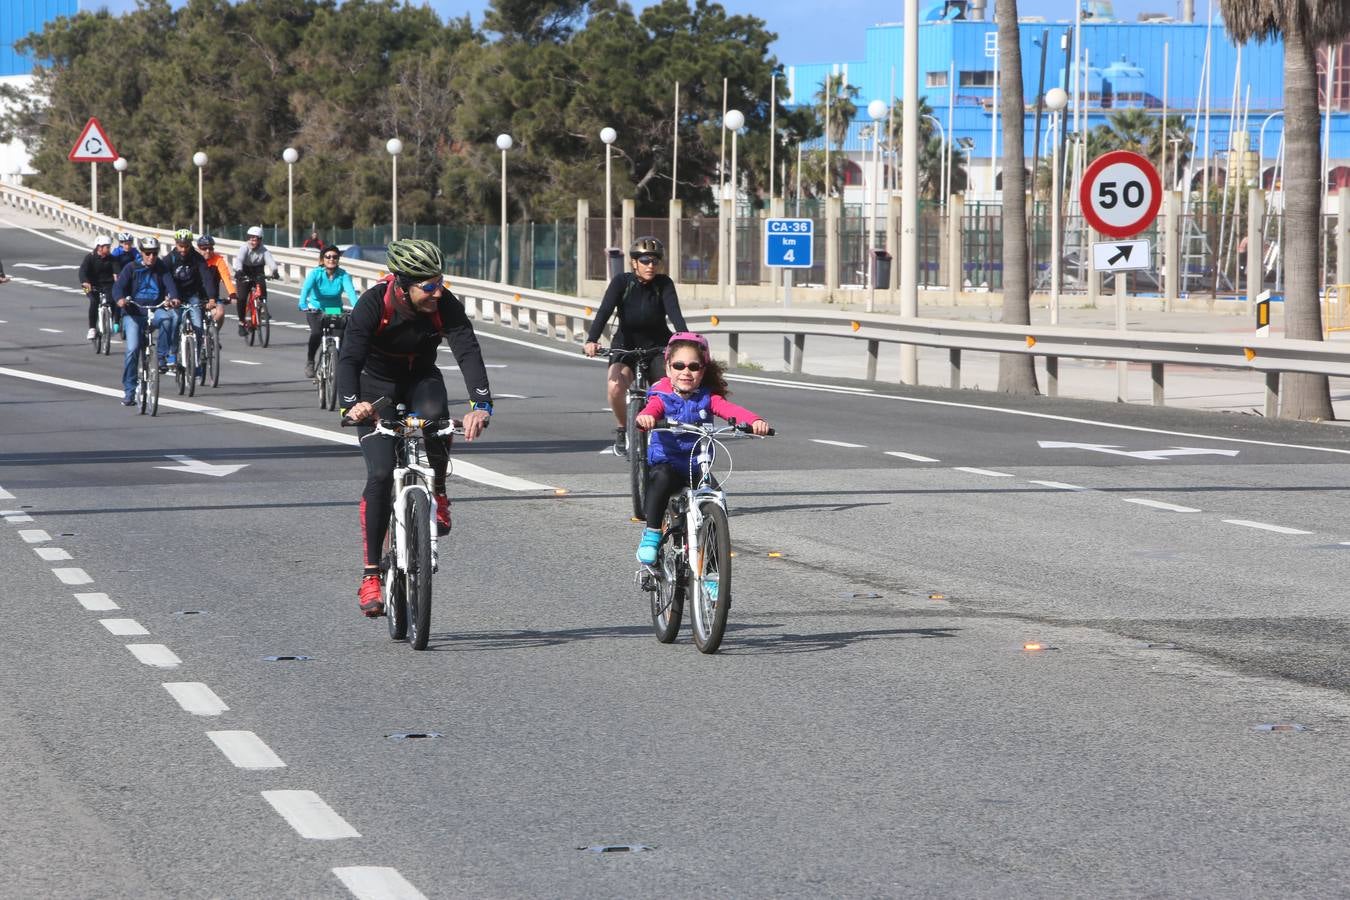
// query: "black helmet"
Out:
[206,241]
[647,245]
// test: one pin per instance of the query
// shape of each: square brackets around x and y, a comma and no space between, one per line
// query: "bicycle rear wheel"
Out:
[212,361]
[637,458]
[143,382]
[710,589]
[321,374]
[264,321]
[152,381]
[418,530]
[668,598]
[395,588]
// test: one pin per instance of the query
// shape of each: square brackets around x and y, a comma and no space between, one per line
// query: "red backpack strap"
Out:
[387,313]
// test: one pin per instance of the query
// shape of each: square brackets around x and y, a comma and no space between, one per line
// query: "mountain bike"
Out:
[693,561]
[103,333]
[147,371]
[410,557]
[210,361]
[635,438]
[185,338]
[325,361]
[257,321]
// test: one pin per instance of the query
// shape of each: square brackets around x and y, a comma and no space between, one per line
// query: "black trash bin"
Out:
[881,269]
[614,258]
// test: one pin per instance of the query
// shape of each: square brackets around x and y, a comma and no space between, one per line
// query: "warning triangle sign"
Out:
[93,145]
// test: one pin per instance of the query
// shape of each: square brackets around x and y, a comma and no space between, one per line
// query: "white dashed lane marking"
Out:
[1158,504]
[51,554]
[4,494]
[16,516]
[72,576]
[245,750]
[51,330]
[246,362]
[124,627]
[196,698]
[1263,526]
[991,473]
[97,602]
[377,883]
[913,457]
[157,655]
[34,535]
[312,818]
[1060,486]
[845,444]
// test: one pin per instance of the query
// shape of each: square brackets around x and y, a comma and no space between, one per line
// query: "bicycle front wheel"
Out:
[418,530]
[103,344]
[190,361]
[180,371]
[668,598]
[264,322]
[637,458]
[143,383]
[395,588]
[251,320]
[711,588]
[152,381]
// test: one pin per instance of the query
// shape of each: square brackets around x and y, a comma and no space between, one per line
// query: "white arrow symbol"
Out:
[197,467]
[1154,455]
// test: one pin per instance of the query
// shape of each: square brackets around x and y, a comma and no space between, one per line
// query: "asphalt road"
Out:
[872,727]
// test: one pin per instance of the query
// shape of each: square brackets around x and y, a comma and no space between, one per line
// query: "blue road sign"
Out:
[788,243]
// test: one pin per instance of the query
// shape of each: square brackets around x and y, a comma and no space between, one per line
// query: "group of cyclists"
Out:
[388,353]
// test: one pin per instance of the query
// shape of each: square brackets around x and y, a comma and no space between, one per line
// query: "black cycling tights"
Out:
[426,396]
[663,481]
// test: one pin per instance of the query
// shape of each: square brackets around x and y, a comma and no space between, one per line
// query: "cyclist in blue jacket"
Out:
[143,283]
[321,295]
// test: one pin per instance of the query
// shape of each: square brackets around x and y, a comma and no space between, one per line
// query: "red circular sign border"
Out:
[1089,181]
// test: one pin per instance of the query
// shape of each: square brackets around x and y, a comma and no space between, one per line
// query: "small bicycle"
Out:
[325,361]
[103,333]
[694,558]
[410,557]
[634,437]
[257,321]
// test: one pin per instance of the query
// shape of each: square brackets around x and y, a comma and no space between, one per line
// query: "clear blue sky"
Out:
[806,33]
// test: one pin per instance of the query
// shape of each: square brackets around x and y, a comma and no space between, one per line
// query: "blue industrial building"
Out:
[20,18]
[1125,66]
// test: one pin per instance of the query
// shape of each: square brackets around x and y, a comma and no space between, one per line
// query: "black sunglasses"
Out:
[330,256]
[649,260]
[681,366]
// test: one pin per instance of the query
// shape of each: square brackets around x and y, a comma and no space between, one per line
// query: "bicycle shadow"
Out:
[789,642]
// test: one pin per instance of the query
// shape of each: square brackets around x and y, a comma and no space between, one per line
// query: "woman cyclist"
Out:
[390,352]
[321,296]
[644,299]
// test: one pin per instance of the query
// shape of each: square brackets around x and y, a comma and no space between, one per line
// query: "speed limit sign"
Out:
[1120,193]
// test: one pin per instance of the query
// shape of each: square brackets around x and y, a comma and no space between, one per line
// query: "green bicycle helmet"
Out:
[412,258]
[182,236]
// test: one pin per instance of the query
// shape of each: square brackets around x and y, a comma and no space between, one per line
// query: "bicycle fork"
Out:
[401,536]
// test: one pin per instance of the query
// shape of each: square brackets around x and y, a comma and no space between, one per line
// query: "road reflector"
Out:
[588,310]
[1033,646]
[856,325]
[515,298]
[1249,353]
[1031,341]
[937,596]
[714,320]
[774,554]
[560,492]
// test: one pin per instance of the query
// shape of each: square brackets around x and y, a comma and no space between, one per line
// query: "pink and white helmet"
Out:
[689,337]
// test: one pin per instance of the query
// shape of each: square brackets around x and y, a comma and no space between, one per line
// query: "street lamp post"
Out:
[290,155]
[199,160]
[875,110]
[1055,100]
[504,143]
[120,164]
[607,137]
[942,163]
[733,121]
[395,147]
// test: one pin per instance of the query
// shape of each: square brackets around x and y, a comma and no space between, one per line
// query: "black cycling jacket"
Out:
[405,350]
[100,271]
[643,310]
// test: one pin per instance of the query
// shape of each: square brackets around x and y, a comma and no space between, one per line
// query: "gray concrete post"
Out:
[723,260]
[1256,214]
[1171,249]
[674,250]
[1342,232]
[956,208]
[626,228]
[834,209]
[583,217]
[893,241]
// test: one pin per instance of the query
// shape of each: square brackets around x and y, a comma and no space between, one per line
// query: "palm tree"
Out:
[1016,371]
[1304,25]
[842,112]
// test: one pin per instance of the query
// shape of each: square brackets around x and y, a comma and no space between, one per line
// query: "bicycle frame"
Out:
[411,474]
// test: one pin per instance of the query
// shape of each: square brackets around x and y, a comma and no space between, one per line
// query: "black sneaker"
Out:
[309,369]
[620,441]
[243,332]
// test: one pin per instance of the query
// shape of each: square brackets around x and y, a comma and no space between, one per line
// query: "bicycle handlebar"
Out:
[442,427]
[620,355]
[709,430]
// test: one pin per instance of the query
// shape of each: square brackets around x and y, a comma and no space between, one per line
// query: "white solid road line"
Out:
[1278,529]
[157,655]
[1158,504]
[838,444]
[5,495]
[246,750]
[1059,485]
[377,883]
[913,457]
[196,698]
[42,234]
[459,467]
[306,812]
[51,330]
[73,576]
[245,362]
[51,554]
[96,602]
[991,473]
[34,535]
[124,627]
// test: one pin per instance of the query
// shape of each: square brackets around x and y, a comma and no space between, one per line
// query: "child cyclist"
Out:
[693,391]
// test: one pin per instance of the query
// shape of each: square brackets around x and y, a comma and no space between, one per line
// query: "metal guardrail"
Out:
[565,318]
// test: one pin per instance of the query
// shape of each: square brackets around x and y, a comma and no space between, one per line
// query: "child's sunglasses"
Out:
[681,366]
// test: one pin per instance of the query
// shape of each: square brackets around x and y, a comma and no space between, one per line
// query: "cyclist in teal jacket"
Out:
[321,295]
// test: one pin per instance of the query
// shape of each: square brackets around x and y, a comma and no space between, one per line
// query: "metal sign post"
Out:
[93,147]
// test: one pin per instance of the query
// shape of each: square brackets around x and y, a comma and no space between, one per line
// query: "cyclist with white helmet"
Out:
[643,298]
[253,264]
[390,352]
[98,271]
